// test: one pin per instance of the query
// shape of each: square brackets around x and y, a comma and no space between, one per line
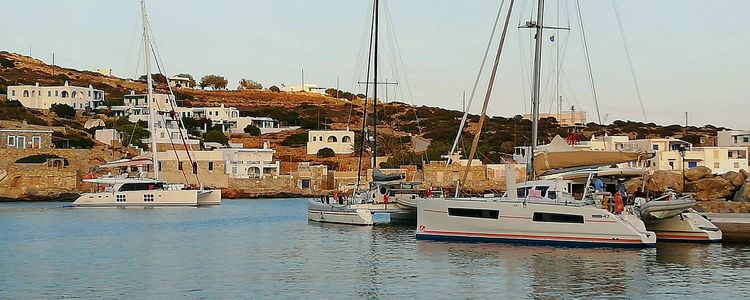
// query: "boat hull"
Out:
[686,227]
[209,197]
[516,222]
[338,214]
[148,198]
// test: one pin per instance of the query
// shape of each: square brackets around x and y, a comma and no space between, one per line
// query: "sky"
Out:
[687,55]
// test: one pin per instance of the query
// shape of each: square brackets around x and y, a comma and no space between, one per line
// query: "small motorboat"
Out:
[664,207]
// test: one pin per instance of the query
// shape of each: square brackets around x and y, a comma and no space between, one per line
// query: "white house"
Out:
[307,87]
[340,141]
[42,97]
[180,82]
[733,138]
[250,163]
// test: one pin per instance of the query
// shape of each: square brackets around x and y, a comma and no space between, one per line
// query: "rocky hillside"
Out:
[313,111]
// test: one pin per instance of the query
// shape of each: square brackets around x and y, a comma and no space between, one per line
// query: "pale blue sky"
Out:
[689,55]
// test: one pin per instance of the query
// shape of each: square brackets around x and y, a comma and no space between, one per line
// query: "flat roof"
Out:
[26,130]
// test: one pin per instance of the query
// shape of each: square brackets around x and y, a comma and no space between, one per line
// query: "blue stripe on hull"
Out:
[473,239]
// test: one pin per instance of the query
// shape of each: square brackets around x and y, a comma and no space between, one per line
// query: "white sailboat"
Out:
[123,191]
[532,218]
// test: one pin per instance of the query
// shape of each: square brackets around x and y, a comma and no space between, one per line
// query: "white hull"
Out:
[339,214]
[686,227]
[209,197]
[535,223]
[145,198]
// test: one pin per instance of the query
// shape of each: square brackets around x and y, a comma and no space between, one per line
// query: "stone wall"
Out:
[40,181]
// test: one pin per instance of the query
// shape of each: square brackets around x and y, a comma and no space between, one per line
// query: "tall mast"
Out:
[535,86]
[375,94]
[150,94]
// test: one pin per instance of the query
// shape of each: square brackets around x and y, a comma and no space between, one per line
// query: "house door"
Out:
[36,142]
[21,142]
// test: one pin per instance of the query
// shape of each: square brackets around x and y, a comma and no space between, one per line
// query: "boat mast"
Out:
[375,94]
[150,93]
[535,87]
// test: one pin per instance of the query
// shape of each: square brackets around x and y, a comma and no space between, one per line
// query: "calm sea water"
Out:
[266,249]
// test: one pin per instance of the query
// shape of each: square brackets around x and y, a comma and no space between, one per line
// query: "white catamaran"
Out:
[533,218]
[124,191]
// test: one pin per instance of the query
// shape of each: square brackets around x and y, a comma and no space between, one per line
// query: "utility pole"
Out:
[686,119]
[337,87]
[53,64]
[303,79]
[463,103]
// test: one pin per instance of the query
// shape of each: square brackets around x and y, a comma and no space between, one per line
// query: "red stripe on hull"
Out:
[539,237]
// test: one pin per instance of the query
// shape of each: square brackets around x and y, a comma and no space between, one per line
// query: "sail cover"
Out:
[378,175]
[559,155]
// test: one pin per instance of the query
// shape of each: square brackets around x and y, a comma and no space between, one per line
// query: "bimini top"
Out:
[137,161]
[558,155]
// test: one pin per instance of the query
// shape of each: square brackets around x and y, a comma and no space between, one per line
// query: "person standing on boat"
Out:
[598,189]
[622,190]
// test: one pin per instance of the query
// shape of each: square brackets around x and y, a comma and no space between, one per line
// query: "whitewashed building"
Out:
[340,141]
[42,97]
[733,138]
[181,82]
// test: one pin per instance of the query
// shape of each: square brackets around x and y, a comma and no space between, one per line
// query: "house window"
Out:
[717,165]
[332,139]
[64,94]
[159,166]
[729,154]
[671,165]
[11,141]
[346,139]
[210,166]
[179,166]
[25,94]
[195,167]
[13,93]
[21,142]
[746,139]
[655,147]
[49,93]
[57,93]
[692,164]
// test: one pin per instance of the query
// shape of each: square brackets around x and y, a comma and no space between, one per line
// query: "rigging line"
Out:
[588,61]
[406,76]
[630,62]
[160,68]
[483,116]
[164,119]
[476,83]
[357,66]
[364,106]
[521,51]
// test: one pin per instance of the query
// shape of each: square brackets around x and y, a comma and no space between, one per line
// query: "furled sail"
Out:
[559,155]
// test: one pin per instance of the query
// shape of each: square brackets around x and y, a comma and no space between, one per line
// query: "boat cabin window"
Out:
[542,189]
[474,213]
[141,186]
[523,192]
[557,218]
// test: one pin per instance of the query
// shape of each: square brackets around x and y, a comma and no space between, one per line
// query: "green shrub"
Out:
[6,63]
[295,140]
[63,110]
[215,136]
[326,152]
[252,130]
